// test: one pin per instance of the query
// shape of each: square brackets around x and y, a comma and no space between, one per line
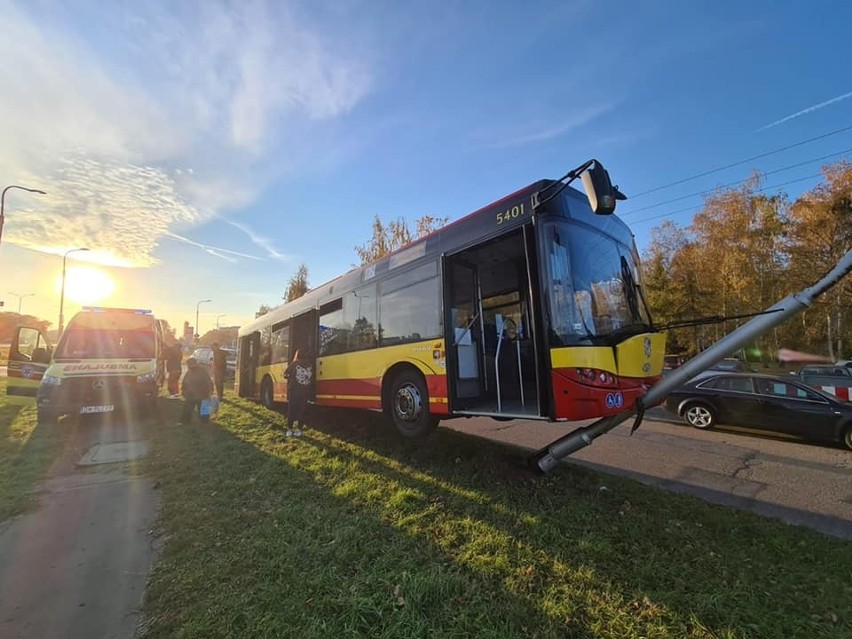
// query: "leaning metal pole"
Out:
[547,458]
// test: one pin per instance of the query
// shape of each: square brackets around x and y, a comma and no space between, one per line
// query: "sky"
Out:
[204,149]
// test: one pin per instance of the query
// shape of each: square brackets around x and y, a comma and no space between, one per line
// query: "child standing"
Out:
[196,388]
[299,374]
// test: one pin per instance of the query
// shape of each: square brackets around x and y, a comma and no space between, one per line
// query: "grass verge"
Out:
[352,532]
[26,454]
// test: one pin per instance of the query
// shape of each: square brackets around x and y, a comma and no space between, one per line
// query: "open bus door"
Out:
[29,357]
[493,350]
[303,338]
[249,354]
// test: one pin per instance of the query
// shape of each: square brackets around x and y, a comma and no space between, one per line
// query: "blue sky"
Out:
[206,149]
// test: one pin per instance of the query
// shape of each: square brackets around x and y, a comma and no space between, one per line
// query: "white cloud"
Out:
[261,242]
[118,211]
[810,109]
[159,120]
[222,253]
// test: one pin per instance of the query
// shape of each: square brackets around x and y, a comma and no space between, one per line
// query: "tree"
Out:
[396,234]
[731,261]
[225,337]
[674,287]
[821,233]
[9,321]
[262,310]
[298,284]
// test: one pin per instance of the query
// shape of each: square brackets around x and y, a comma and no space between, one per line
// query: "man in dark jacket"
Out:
[196,388]
[300,376]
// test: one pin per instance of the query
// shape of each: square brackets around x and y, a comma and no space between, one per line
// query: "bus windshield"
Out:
[85,343]
[593,286]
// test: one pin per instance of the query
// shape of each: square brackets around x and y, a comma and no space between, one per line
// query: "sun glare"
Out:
[87,285]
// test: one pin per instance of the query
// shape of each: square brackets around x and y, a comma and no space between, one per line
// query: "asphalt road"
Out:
[799,483]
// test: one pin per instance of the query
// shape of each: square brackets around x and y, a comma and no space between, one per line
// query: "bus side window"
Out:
[280,343]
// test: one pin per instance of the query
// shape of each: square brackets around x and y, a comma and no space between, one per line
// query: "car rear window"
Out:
[739,384]
[783,389]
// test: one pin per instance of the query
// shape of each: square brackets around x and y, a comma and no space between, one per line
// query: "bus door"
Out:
[492,351]
[249,355]
[464,333]
[303,338]
[29,357]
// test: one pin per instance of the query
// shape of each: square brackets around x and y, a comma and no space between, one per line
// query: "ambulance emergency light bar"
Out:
[103,309]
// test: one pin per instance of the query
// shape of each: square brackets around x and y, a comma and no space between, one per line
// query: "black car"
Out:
[764,402]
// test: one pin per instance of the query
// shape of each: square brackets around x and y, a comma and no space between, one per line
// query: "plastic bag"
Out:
[205,408]
[214,403]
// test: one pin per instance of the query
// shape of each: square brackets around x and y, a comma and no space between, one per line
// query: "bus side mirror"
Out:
[599,189]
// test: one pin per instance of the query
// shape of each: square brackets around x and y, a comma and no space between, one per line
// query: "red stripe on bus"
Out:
[349,403]
[371,387]
[436,386]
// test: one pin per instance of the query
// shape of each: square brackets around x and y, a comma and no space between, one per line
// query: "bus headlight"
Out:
[50,380]
[595,377]
[147,377]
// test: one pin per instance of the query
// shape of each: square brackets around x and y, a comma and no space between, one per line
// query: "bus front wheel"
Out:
[409,405]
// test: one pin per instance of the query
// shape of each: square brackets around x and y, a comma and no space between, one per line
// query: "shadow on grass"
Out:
[27,452]
[352,531]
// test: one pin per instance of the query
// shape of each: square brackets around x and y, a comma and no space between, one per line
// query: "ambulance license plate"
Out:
[107,408]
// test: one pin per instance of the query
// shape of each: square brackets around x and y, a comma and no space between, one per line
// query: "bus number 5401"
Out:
[510,214]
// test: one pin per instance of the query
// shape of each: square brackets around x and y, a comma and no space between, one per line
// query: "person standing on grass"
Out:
[299,374]
[174,359]
[196,388]
[220,367]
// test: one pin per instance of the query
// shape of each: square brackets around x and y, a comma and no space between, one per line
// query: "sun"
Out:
[87,285]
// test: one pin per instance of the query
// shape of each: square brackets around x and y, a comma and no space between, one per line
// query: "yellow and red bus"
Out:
[529,308]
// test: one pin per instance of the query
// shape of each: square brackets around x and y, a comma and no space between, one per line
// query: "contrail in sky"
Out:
[808,110]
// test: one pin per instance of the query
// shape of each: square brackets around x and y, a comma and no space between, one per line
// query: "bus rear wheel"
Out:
[409,405]
[266,396]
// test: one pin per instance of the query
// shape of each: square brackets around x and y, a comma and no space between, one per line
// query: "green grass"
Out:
[26,454]
[352,532]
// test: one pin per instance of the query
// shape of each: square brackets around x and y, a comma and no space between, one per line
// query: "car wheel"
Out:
[699,415]
[266,396]
[409,405]
[847,436]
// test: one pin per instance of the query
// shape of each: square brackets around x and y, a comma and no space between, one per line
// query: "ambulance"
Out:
[107,359]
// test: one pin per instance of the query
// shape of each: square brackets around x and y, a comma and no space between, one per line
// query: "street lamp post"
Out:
[217,319]
[198,332]
[3,202]
[62,292]
[20,297]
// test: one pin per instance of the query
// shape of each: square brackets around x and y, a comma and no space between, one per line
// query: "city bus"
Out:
[528,308]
